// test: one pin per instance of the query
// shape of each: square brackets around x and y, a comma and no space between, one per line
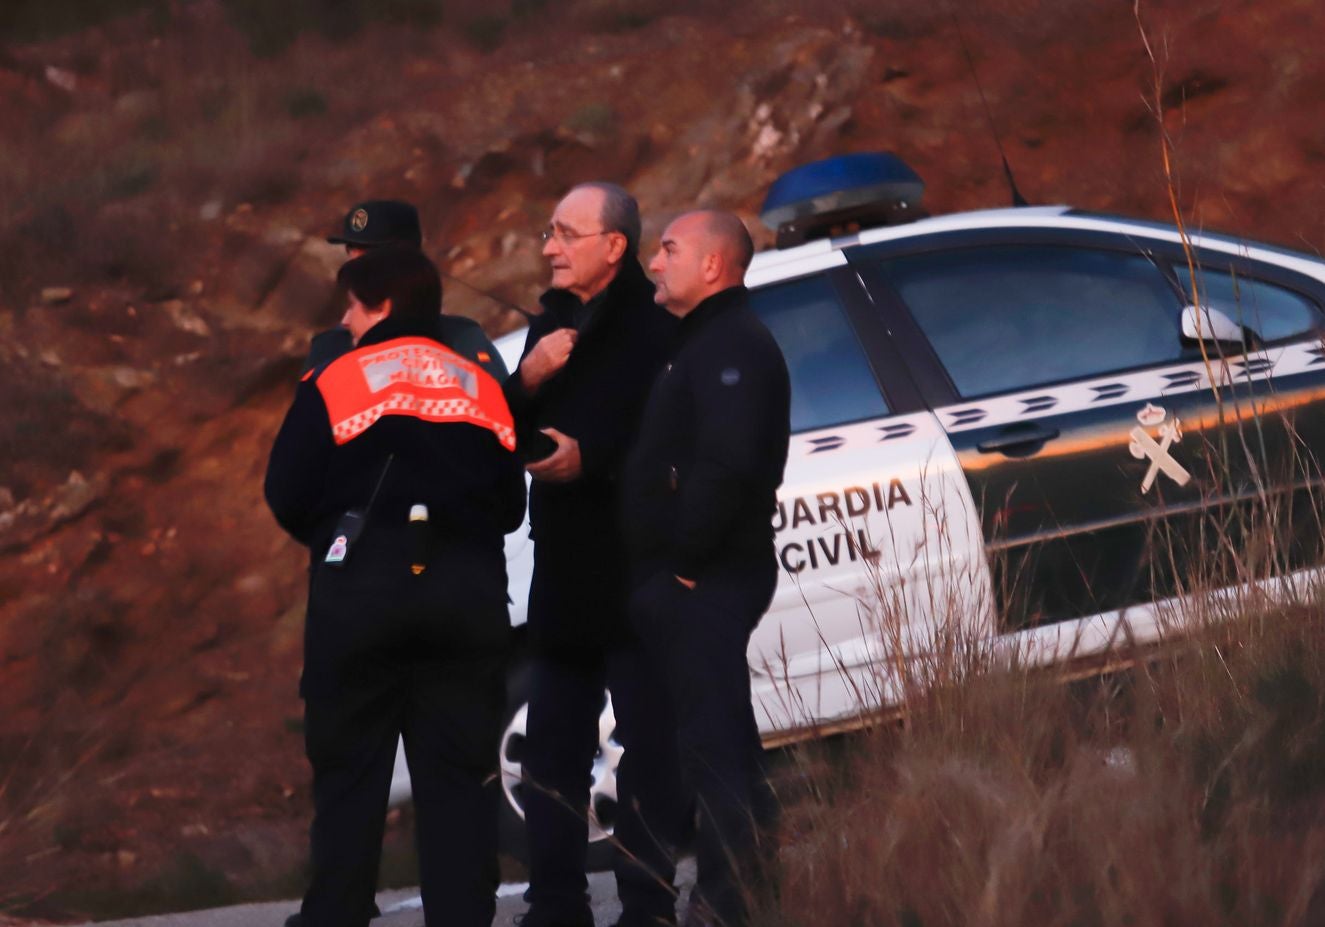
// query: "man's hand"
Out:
[546,357]
[563,464]
[688,583]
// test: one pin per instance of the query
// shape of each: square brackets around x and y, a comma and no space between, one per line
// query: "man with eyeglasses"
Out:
[588,363]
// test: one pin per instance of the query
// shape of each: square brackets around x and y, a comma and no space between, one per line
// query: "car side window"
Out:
[831,381]
[1011,317]
[1269,310]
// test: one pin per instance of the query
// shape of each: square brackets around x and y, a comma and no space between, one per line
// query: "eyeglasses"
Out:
[566,236]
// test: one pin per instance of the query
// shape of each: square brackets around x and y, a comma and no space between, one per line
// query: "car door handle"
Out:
[1017,438]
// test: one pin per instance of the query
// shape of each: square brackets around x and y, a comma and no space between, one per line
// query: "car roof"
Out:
[773,265]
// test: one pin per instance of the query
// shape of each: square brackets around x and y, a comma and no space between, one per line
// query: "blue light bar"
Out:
[864,188]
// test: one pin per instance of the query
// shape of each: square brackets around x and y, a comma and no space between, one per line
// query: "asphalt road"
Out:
[399,908]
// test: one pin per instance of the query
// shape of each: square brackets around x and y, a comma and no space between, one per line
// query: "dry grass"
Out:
[1189,789]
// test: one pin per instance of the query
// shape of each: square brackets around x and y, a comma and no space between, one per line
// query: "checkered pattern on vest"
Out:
[415,377]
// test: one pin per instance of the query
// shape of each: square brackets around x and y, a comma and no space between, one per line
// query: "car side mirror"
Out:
[1205,323]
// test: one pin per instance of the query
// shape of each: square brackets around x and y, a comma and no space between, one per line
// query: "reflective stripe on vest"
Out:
[415,377]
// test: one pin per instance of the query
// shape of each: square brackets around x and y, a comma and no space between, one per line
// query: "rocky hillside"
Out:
[166,182]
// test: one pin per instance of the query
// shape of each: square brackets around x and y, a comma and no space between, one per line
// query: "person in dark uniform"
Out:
[393,223]
[588,361]
[700,490]
[395,465]
[379,224]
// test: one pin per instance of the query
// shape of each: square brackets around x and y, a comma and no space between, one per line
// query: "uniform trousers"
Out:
[387,655]
[563,737]
[581,644]
[697,640]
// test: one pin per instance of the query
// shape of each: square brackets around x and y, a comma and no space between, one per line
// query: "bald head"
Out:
[701,253]
[728,234]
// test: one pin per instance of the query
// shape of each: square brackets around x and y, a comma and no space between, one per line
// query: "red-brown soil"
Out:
[150,610]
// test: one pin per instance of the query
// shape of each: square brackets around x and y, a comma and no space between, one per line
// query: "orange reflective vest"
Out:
[415,377]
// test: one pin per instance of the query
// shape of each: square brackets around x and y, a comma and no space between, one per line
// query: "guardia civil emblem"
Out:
[1168,431]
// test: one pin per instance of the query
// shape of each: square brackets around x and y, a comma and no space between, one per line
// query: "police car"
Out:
[1036,428]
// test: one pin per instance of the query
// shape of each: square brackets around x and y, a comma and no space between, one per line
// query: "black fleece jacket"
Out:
[473,487]
[700,487]
[595,398]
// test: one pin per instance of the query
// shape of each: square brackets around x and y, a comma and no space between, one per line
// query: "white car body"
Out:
[822,652]
[881,541]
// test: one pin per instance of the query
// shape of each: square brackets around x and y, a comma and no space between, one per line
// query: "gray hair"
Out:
[620,212]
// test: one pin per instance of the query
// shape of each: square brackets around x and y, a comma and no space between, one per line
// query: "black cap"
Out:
[380,222]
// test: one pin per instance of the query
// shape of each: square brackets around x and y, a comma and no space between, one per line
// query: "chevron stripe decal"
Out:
[830,443]
[1109,391]
[1181,378]
[1256,366]
[1038,404]
[967,416]
[896,431]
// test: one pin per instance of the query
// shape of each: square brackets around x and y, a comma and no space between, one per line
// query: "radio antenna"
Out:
[1017,198]
[504,303]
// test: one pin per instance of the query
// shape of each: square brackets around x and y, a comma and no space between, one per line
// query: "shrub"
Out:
[302,104]
[272,27]
[594,119]
[1186,788]
[485,32]
[615,16]
[421,13]
[130,177]
[521,9]
[30,22]
[37,456]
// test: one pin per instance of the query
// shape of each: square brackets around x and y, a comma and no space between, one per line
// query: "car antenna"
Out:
[1017,198]
[504,303]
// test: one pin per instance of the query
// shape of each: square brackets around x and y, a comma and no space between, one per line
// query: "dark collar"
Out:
[713,306]
[391,327]
[630,285]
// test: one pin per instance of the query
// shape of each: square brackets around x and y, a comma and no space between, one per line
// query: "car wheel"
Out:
[602,794]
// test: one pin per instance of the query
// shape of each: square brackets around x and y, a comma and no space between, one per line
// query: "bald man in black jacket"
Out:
[699,492]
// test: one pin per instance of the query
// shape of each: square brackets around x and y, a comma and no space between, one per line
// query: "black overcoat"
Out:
[577,598]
